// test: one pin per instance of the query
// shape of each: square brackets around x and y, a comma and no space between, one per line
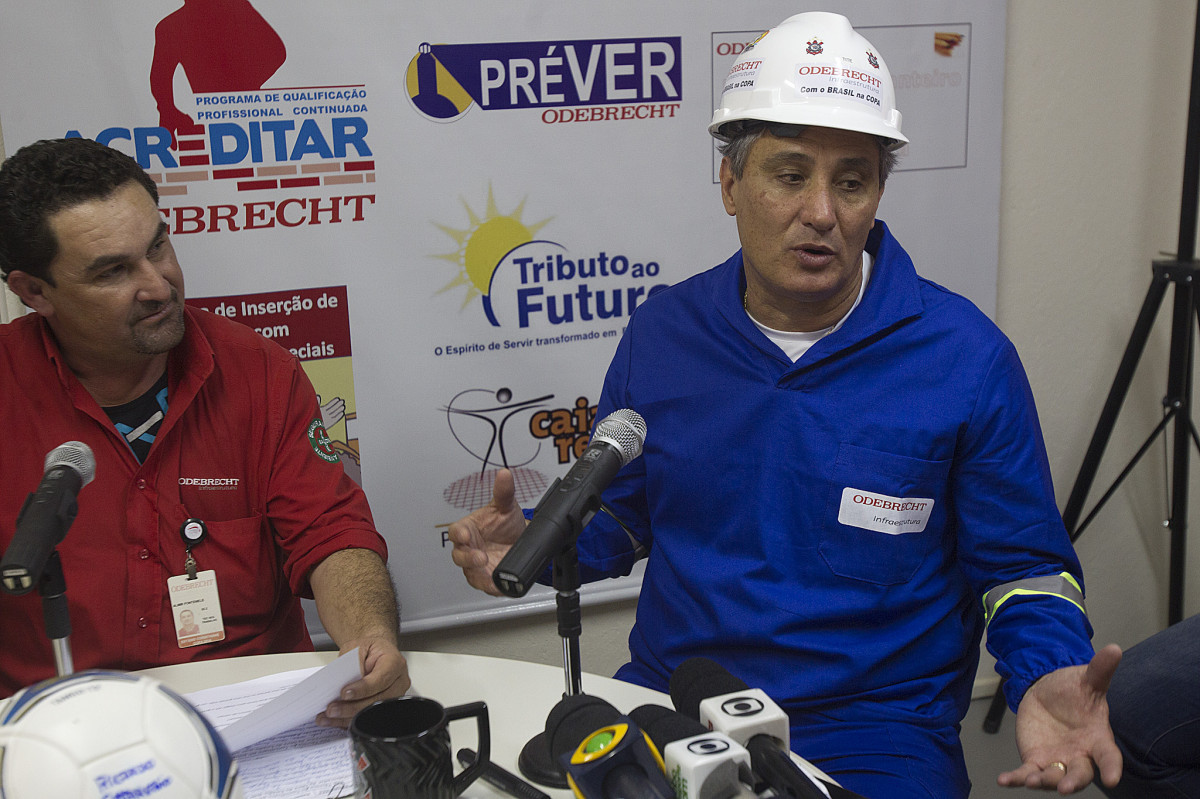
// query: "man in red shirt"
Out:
[211,493]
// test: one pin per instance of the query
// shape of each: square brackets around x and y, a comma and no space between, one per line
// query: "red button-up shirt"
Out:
[238,449]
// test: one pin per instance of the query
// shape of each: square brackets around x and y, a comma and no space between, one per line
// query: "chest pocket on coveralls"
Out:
[876,552]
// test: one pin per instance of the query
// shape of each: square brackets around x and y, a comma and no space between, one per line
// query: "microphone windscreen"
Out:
[75,455]
[575,718]
[664,725]
[696,679]
[625,429]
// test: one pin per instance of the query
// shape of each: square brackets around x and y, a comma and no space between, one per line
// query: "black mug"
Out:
[402,749]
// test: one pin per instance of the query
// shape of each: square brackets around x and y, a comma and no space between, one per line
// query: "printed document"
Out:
[269,725]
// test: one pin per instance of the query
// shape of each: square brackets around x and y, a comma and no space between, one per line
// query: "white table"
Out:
[519,695]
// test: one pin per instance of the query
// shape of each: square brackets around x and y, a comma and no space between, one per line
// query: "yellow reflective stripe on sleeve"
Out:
[1063,586]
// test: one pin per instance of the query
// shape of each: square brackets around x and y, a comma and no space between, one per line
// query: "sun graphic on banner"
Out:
[483,245]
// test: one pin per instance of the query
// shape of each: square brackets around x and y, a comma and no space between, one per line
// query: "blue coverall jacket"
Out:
[778,503]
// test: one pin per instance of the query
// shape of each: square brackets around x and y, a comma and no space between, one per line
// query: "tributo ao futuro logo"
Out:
[529,282]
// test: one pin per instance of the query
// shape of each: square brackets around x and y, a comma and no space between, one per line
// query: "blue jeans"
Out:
[1154,708]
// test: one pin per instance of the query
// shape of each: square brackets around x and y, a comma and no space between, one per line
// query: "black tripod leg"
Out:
[995,714]
[1179,395]
[1116,397]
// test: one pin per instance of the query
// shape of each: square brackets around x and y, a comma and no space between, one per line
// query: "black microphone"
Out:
[604,754]
[46,516]
[573,718]
[570,503]
[700,763]
[705,690]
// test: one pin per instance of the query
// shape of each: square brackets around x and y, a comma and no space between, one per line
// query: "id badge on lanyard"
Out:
[195,603]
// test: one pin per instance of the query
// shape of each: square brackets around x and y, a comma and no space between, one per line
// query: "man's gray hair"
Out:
[740,137]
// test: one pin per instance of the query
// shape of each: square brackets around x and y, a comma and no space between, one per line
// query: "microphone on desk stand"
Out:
[705,690]
[538,760]
[32,560]
[46,516]
[700,763]
[561,514]
[571,502]
[605,754]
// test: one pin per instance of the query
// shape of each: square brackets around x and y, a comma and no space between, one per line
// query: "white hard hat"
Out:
[811,69]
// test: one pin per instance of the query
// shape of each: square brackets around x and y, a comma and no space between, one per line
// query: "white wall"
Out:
[1095,114]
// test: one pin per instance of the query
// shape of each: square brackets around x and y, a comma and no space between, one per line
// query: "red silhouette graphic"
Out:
[223,46]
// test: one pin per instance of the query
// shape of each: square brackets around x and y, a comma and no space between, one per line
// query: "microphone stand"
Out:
[53,589]
[570,619]
[624,431]
[536,761]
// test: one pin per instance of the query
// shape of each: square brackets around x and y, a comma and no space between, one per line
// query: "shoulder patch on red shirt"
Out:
[320,441]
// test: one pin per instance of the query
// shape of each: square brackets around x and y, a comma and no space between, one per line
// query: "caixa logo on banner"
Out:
[502,430]
[582,80]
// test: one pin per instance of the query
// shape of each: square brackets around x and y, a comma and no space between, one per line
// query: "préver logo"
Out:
[564,81]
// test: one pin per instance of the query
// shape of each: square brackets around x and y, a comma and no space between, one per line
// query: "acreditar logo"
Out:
[232,153]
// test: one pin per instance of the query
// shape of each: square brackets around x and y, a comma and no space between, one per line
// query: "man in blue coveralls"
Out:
[844,481]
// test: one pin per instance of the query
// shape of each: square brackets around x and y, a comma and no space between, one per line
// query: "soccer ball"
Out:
[110,735]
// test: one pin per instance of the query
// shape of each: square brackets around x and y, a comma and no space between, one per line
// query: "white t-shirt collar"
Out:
[795,344]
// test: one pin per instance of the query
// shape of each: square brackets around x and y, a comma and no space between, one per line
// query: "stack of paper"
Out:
[269,724]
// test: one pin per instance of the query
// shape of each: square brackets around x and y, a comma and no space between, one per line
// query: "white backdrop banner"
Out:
[476,196]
